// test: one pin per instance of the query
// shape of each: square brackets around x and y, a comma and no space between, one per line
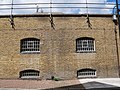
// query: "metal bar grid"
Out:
[35,6]
[57,7]
[57,3]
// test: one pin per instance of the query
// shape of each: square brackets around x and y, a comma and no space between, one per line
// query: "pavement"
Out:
[76,84]
[101,83]
[39,84]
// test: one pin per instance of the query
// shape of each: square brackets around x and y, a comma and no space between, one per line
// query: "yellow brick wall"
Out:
[58,55]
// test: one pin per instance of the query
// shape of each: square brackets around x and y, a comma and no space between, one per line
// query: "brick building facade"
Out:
[73,48]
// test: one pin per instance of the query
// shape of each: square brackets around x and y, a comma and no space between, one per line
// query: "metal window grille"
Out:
[87,73]
[29,74]
[30,45]
[85,45]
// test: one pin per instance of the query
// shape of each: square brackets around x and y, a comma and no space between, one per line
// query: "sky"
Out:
[109,4]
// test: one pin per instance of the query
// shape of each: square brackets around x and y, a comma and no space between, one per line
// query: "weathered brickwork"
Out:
[58,55]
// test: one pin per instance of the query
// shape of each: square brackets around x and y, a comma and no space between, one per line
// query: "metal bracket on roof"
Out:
[37,9]
[51,17]
[51,21]
[88,21]
[11,17]
[12,21]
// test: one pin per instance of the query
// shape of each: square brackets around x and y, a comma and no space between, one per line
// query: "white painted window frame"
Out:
[80,42]
[29,75]
[85,74]
[30,45]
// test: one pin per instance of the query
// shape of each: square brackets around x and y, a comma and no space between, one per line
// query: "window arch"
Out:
[85,44]
[30,45]
[87,72]
[30,74]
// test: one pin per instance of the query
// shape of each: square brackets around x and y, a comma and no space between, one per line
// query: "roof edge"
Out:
[56,15]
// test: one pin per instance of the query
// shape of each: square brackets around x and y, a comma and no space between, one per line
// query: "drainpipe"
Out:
[117,48]
[116,37]
[118,16]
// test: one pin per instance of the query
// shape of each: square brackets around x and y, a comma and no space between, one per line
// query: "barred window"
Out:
[29,74]
[85,45]
[30,45]
[86,73]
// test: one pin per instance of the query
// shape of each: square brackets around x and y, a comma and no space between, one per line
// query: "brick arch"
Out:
[84,69]
[85,38]
[27,38]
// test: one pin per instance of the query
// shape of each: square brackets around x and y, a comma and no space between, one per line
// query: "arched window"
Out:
[30,45]
[30,74]
[85,44]
[86,73]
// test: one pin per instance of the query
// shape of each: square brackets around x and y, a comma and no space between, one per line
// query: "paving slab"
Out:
[40,85]
[101,83]
[77,84]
